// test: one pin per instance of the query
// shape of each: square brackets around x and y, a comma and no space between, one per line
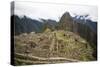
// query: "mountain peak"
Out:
[66,15]
[66,21]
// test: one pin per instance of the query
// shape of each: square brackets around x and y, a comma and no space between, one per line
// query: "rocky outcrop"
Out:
[66,22]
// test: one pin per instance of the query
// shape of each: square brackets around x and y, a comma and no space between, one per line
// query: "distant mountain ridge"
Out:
[26,25]
[90,23]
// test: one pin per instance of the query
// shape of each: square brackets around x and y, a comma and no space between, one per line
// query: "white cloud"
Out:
[53,11]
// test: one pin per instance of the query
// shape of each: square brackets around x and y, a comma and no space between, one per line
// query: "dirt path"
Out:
[46,59]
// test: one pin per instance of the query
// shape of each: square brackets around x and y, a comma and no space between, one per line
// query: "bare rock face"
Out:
[66,21]
[66,16]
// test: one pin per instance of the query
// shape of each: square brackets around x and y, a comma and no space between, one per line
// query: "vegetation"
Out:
[52,44]
[46,41]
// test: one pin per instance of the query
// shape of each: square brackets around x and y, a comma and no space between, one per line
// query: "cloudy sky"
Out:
[52,10]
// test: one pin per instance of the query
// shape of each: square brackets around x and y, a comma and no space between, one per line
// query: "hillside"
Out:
[48,41]
[64,46]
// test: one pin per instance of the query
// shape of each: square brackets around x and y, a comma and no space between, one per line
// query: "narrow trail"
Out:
[47,59]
